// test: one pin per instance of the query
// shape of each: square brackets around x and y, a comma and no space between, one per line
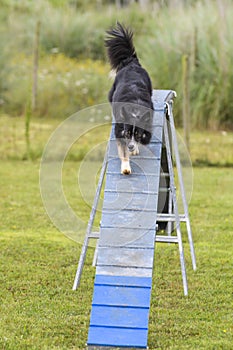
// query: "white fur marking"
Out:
[125,167]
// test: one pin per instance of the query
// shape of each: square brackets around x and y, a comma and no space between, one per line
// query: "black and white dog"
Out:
[130,95]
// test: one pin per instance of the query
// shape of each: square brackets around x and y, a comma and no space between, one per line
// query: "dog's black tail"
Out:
[120,47]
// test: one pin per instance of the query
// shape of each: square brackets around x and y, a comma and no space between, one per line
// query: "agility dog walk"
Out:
[125,251]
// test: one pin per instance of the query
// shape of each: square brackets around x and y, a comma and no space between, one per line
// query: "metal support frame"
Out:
[175,207]
[89,233]
[181,183]
[171,217]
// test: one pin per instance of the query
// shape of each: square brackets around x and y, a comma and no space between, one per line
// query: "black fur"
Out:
[131,92]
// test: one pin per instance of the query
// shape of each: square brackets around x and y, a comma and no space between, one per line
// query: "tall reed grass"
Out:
[164,32]
[64,85]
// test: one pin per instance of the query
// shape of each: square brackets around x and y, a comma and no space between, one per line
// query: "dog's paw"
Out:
[125,168]
[126,171]
[135,152]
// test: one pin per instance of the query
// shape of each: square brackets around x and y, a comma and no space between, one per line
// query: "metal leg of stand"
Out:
[169,224]
[81,263]
[90,224]
[179,171]
[174,199]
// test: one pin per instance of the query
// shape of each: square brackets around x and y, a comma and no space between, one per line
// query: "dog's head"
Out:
[134,125]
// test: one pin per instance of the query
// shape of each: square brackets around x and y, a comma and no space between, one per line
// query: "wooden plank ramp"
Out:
[123,282]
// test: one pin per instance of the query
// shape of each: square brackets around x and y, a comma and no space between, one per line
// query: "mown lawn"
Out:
[206,148]
[38,308]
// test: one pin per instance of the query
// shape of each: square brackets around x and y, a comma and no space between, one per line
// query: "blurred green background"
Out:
[53,63]
[72,60]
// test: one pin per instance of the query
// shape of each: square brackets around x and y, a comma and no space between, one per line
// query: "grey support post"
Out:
[89,233]
[175,206]
[181,184]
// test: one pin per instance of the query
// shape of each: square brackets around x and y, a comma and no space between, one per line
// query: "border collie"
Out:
[130,95]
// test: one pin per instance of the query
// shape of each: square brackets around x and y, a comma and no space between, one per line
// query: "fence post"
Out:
[186,99]
[35,66]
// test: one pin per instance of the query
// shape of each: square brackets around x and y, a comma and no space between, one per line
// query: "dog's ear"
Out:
[123,113]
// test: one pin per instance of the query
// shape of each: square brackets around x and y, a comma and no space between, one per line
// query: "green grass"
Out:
[40,311]
[38,308]
[206,147]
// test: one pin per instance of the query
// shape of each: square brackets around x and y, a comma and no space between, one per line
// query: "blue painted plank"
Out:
[124,281]
[132,183]
[158,119]
[137,166]
[104,336]
[143,166]
[126,237]
[153,150]
[111,316]
[121,296]
[159,97]
[124,271]
[123,256]
[112,148]
[157,136]
[129,219]
[113,201]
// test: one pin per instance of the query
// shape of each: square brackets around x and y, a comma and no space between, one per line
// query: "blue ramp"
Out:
[123,282]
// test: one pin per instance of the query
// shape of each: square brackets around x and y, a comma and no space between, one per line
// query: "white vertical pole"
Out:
[90,224]
[175,205]
[181,184]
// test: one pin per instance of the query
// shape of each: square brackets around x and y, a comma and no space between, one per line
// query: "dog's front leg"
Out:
[124,157]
